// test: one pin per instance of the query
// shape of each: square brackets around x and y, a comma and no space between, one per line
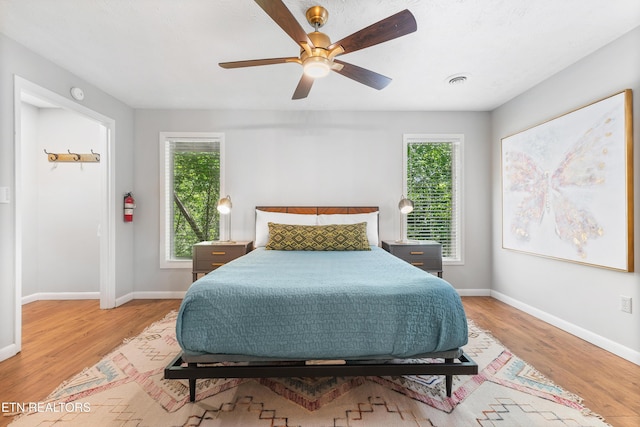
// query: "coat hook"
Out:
[76,157]
[96,155]
[52,156]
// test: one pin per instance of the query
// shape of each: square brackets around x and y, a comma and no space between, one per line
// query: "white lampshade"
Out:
[224,205]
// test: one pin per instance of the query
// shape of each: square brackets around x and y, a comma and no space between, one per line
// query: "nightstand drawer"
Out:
[426,255]
[428,264]
[218,253]
[207,256]
[410,252]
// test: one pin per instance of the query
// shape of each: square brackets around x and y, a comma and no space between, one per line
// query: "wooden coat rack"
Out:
[73,157]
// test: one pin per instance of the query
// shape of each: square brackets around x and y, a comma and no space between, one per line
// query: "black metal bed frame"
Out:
[179,369]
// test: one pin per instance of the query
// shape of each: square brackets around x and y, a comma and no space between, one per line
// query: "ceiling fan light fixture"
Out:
[316,66]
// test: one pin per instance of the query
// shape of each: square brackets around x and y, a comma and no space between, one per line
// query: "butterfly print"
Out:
[557,193]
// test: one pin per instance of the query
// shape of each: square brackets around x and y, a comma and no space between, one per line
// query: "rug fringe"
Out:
[169,316]
[589,413]
[64,384]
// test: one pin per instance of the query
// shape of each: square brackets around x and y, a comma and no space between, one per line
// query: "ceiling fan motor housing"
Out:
[320,43]
[319,39]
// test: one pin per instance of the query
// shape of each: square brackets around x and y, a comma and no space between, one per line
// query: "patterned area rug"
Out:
[126,388]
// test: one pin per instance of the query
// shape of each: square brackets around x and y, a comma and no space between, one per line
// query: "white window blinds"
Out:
[433,178]
[191,172]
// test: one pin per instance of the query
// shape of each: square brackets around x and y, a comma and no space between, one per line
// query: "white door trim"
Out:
[107,205]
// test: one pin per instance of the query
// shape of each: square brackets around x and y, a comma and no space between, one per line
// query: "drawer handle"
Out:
[417,253]
[218,253]
[217,264]
[417,264]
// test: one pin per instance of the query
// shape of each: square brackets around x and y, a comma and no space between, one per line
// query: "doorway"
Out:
[101,229]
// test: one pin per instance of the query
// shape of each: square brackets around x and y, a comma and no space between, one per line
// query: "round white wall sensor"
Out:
[77,93]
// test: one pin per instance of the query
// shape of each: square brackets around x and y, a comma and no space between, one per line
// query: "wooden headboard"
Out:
[262,235]
[319,210]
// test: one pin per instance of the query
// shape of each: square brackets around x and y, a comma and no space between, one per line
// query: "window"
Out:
[191,171]
[433,181]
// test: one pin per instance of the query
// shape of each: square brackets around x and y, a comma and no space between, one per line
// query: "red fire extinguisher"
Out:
[129,206]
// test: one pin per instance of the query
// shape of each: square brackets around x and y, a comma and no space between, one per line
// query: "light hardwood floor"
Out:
[60,338]
[609,384]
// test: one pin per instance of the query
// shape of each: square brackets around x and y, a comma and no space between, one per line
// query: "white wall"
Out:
[579,298]
[61,203]
[312,158]
[17,60]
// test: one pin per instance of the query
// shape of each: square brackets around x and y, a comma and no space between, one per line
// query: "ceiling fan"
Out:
[317,53]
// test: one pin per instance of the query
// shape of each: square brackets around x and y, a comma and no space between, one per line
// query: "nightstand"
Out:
[207,256]
[424,254]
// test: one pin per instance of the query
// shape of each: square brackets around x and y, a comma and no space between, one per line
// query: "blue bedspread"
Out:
[320,305]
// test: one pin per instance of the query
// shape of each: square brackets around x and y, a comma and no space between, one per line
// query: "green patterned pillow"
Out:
[332,237]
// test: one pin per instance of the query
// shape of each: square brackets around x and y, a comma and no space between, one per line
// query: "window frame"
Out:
[166,227]
[457,140]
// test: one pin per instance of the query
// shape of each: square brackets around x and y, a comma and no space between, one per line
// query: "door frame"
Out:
[107,204]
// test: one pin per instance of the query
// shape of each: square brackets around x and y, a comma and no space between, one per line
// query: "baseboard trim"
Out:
[8,351]
[595,339]
[474,292]
[41,296]
[124,299]
[150,295]
[29,298]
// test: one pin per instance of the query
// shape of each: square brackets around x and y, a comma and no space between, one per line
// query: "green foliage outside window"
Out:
[430,185]
[196,184]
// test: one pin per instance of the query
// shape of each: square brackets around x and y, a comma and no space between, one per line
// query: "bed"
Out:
[319,297]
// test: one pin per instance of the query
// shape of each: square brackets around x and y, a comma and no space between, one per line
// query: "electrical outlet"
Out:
[625,304]
[4,194]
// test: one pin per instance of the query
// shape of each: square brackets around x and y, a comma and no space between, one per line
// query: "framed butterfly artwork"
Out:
[567,186]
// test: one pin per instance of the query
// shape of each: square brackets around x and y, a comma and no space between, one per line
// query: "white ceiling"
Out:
[164,53]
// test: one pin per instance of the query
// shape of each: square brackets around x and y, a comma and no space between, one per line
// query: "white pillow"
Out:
[370,218]
[263,218]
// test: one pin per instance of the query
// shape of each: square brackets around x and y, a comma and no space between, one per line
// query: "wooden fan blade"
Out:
[362,75]
[277,10]
[304,86]
[257,62]
[398,25]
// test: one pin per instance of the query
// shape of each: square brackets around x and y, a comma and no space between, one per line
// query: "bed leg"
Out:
[192,389]
[448,379]
[449,384]
[192,385]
